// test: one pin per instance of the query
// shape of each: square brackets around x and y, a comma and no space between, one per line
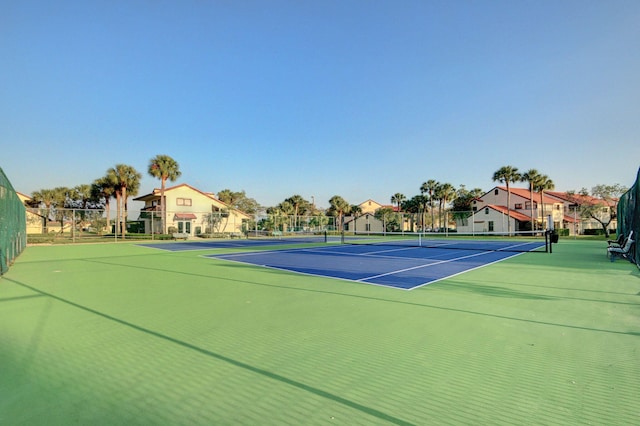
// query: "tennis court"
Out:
[391,266]
[239,242]
[116,334]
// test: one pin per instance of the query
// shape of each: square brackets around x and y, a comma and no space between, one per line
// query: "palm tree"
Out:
[531,176]
[47,197]
[287,210]
[429,187]
[339,206]
[298,203]
[102,188]
[356,211]
[541,185]
[507,175]
[446,194]
[398,198]
[164,168]
[227,196]
[123,177]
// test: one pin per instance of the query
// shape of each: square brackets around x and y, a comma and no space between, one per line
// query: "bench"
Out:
[180,235]
[620,241]
[623,251]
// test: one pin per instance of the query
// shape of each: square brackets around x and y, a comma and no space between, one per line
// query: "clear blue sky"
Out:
[361,99]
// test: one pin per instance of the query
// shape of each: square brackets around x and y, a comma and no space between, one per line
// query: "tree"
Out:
[397,199]
[532,177]
[239,200]
[446,194]
[507,175]
[123,178]
[543,183]
[51,199]
[103,189]
[429,187]
[389,218]
[300,205]
[462,205]
[164,168]
[415,205]
[356,211]
[601,206]
[338,207]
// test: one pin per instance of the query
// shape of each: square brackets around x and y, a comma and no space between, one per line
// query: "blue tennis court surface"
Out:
[235,243]
[398,267]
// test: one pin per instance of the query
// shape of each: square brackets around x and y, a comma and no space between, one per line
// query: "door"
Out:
[184,227]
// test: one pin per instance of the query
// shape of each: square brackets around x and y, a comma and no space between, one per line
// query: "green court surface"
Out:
[120,334]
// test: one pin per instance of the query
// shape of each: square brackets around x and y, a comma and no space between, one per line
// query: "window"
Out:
[518,206]
[367,227]
[183,201]
[490,226]
[486,210]
[496,191]
[527,205]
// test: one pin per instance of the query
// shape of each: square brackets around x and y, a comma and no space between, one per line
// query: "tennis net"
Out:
[290,237]
[526,241]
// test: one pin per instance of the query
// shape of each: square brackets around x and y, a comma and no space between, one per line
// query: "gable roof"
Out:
[156,192]
[576,198]
[522,192]
[515,214]
[155,195]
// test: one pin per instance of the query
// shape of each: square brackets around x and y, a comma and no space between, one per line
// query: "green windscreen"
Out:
[13,228]
[629,215]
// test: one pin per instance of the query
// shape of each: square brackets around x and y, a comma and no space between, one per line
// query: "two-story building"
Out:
[190,212]
[572,204]
[528,210]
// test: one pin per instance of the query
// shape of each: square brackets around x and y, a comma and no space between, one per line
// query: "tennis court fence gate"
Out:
[629,215]
[13,227]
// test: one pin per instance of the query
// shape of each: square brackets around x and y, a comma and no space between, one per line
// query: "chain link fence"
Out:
[629,215]
[12,224]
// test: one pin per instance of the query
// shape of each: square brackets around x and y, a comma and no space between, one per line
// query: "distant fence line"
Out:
[46,225]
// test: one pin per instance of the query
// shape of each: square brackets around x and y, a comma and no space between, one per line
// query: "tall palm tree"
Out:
[356,211]
[123,177]
[49,198]
[507,175]
[446,194]
[102,188]
[541,185]
[429,187]
[164,168]
[339,206]
[298,203]
[398,198]
[531,176]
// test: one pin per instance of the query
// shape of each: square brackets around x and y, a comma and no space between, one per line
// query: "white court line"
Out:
[424,266]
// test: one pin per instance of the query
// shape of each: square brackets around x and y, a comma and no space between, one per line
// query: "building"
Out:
[571,205]
[559,209]
[191,212]
[37,223]
[528,210]
[366,222]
